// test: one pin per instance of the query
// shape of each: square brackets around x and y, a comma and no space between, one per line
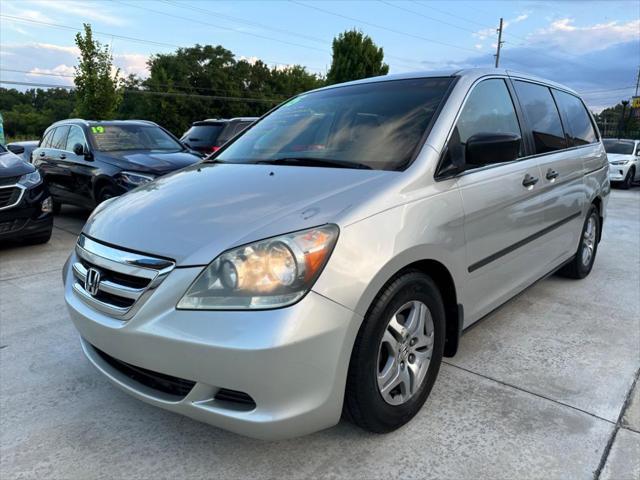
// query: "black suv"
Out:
[25,204]
[207,136]
[86,162]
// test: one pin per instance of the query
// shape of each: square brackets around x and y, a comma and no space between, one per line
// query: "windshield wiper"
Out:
[314,162]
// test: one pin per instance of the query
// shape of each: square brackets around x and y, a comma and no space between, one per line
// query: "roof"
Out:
[80,121]
[470,73]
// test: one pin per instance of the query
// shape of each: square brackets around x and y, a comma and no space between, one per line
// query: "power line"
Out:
[382,27]
[129,39]
[425,16]
[165,85]
[214,25]
[247,22]
[406,62]
[150,92]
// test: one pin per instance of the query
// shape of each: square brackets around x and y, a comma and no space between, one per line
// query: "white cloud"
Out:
[94,11]
[478,46]
[492,32]
[63,73]
[564,33]
[132,63]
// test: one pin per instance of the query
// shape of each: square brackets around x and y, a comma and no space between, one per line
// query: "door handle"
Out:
[529,180]
[62,156]
[552,174]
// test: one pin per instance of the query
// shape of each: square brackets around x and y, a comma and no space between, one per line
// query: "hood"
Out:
[13,166]
[157,163]
[614,157]
[195,214]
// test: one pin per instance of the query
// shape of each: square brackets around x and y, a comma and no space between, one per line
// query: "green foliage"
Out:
[612,123]
[27,114]
[355,56]
[209,82]
[97,87]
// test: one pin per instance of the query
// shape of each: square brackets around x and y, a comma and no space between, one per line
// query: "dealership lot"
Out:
[542,388]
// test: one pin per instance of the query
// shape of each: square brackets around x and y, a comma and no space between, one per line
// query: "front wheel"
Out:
[582,263]
[397,354]
[105,193]
[628,180]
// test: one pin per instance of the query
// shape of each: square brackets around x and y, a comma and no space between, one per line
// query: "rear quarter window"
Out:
[578,125]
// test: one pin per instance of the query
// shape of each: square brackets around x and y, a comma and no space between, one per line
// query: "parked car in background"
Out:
[207,136]
[25,204]
[23,149]
[327,259]
[86,162]
[624,160]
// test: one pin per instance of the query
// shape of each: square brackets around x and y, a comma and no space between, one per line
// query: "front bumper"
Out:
[292,361]
[26,219]
[617,173]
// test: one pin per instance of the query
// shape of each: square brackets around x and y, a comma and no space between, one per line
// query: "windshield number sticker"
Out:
[98,129]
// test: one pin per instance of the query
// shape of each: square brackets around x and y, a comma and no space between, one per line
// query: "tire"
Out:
[105,193]
[578,268]
[55,207]
[628,180]
[365,403]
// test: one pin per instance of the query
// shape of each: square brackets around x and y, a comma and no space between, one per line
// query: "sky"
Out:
[590,46]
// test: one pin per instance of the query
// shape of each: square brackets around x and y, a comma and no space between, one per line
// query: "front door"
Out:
[501,206]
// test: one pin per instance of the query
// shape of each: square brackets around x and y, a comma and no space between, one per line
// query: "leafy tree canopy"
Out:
[355,56]
[97,88]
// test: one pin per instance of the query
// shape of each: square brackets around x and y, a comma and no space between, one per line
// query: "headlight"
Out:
[136,179]
[620,162]
[269,273]
[30,179]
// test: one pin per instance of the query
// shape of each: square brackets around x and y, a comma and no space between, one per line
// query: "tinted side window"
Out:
[59,139]
[543,117]
[46,140]
[579,127]
[75,136]
[489,109]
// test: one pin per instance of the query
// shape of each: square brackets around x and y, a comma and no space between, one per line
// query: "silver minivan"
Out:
[326,260]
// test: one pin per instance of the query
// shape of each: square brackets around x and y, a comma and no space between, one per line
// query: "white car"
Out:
[624,157]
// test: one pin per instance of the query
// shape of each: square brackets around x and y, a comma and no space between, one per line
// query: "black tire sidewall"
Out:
[109,190]
[381,416]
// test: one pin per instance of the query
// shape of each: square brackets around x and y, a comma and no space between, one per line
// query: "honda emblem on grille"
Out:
[92,282]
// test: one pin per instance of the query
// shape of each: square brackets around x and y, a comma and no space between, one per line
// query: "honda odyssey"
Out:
[326,259]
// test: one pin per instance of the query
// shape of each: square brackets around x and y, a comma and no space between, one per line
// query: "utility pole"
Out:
[500,42]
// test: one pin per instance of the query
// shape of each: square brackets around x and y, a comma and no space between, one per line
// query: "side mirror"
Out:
[488,148]
[17,149]
[78,149]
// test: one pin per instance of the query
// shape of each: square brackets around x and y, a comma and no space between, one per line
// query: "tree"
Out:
[98,92]
[355,56]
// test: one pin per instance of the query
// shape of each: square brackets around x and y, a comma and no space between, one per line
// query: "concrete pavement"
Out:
[542,388]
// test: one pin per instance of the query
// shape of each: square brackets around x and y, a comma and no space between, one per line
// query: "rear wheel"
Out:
[397,354]
[582,263]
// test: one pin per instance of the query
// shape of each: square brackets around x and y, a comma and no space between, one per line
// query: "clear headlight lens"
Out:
[269,273]
[620,162]
[136,179]
[30,179]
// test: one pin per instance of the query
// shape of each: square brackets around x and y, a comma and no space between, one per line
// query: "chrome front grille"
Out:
[114,281]
[10,195]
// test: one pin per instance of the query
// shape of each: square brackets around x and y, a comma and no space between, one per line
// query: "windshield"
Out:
[375,125]
[111,138]
[618,146]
